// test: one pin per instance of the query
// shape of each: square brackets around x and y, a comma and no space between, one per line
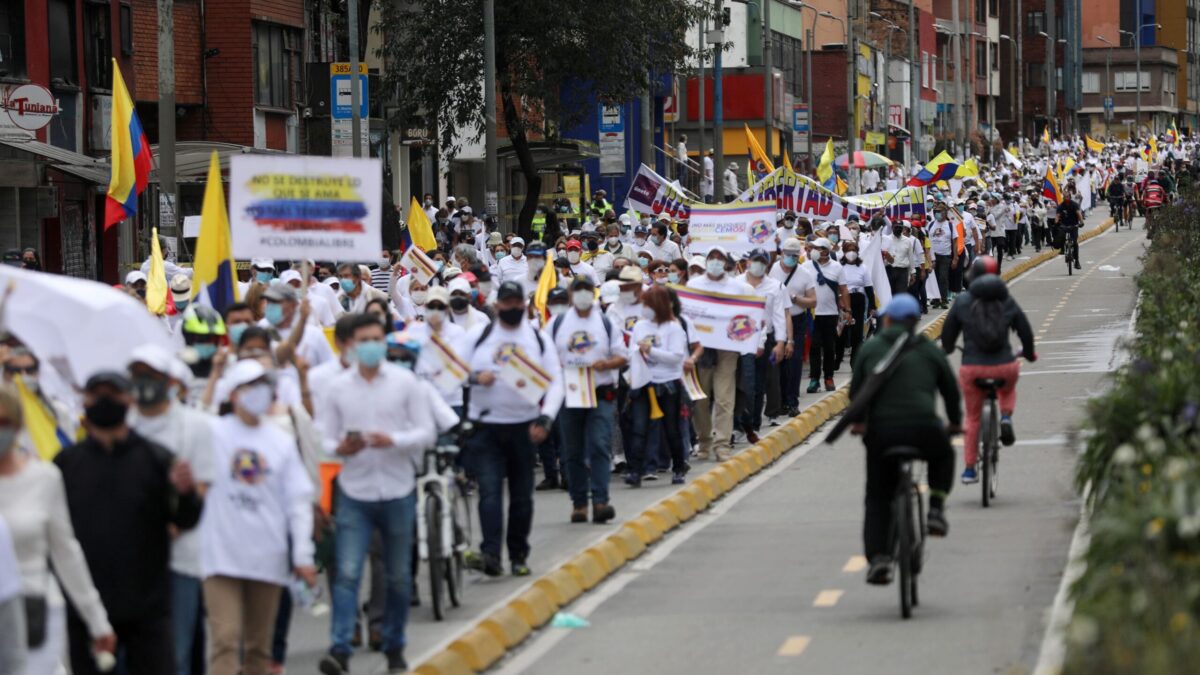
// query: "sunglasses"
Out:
[17,370]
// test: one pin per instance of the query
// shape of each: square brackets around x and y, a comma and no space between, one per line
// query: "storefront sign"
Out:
[30,106]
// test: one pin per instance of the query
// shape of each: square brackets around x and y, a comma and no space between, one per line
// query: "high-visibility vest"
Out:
[539,224]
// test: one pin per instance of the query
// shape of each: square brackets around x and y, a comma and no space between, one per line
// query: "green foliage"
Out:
[1137,605]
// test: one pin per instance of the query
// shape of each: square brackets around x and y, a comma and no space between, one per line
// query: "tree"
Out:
[551,55]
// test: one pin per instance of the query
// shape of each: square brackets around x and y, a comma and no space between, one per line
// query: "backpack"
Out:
[989,325]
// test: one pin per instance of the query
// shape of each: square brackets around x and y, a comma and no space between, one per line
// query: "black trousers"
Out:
[143,646]
[1014,241]
[824,342]
[883,474]
[897,280]
[852,334]
[998,246]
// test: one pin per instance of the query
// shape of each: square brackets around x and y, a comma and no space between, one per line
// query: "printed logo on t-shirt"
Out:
[248,467]
[630,322]
[580,342]
[504,352]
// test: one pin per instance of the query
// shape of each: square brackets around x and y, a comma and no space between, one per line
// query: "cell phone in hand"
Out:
[354,436]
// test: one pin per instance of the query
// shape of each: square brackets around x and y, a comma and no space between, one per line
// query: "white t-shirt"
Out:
[668,349]
[941,236]
[799,285]
[10,572]
[827,298]
[856,277]
[501,401]
[582,342]
[261,495]
[429,364]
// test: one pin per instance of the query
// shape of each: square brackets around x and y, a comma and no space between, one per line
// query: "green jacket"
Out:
[909,398]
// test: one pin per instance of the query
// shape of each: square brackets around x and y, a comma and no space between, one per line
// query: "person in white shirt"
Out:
[627,310]
[658,352]
[591,350]
[256,530]
[437,323]
[322,312]
[575,260]
[510,422]
[994,218]
[13,639]
[660,246]
[461,311]
[615,245]
[832,305]
[775,338]
[870,180]
[801,291]
[944,244]
[596,255]
[707,184]
[1006,216]
[681,154]
[898,256]
[731,182]
[379,421]
[717,369]
[537,261]
[514,266]
[357,289]
[860,287]
[282,315]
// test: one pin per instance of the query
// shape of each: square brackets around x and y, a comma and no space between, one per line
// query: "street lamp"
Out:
[1137,49]
[851,129]
[1108,83]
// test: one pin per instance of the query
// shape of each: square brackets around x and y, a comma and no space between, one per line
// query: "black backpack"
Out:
[989,325]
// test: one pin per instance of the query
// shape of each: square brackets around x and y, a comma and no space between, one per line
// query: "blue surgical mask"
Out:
[347,285]
[790,260]
[263,277]
[274,313]
[236,330]
[642,262]
[715,268]
[500,255]
[370,354]
[673,277]
[205,350]
[181,306]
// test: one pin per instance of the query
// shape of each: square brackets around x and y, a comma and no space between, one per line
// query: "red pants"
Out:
[973,398]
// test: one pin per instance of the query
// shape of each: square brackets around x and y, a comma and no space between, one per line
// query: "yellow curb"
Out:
[681,506]
[630,543]
[608,554]
[747,466]
[698,496]
[586,569]
[770,444]
[710,485]
[760,455]
[535,606]
[560,586]
[649,529]
[445,662]
[479,648]
[726,477]
[737,468]
[507,626]
[665,515]
[753,458]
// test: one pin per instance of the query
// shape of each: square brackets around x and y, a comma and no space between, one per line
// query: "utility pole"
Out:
[1020,96]
[914,85]
[718,113]
[355,85]
[1107,84]
[647,144]
[852,122]
[812,109]
[702,54]
[1051,53]
[166,125]
[768,80]
[491,163]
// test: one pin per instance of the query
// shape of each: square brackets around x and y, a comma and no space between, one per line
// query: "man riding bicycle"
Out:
[1154,197]
[1116,200]
[904,413]
[1070,217]
[984,314]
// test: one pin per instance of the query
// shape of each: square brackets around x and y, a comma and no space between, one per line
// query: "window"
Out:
[274,65]
[981,8]
[1128,81]
[1035,22]
[981,59]
[98,44]
[12,38]
[995,49]
[994,8]
[61,39]
[127,30]
[1035,75]
[1091,83]
[1058,78]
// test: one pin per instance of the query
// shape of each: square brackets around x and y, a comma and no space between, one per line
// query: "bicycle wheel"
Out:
[437,560]
[993,454]
[986,422]
[1068,257]
[919,544]
[904,543]
[460,520]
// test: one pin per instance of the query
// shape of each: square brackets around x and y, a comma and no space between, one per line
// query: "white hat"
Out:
[290,275]
[610,291]
[262,263]
[630,273]
[245,372]
[439,294]
[624,219]
[155,356]
[697,261]
[717,249]
[134,277]
[333,282]
[181,288]
[793,245]
[460,284]
[733,166]
[517,241]
[822,242]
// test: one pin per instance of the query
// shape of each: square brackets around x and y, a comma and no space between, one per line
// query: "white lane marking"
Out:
[1054,647]
[828,597]
[856,563]
[794,646]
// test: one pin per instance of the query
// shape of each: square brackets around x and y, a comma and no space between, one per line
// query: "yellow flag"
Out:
[546,282]
[39,422]
[825,168]
[1093,145]
[969,169]
[420,230]
[787,162]
[756,151]
[156,281]
[1065,170]
[1153,148]
[1046,135]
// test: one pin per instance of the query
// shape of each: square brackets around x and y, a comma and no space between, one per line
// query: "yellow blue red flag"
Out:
[130,156]
[214,283]
[1050,189]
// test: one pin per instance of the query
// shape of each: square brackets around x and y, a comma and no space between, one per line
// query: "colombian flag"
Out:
[547,280]
[825,173]
[48,439]
[761,161]
[418,229]
[1173,133]
[130,156]
[1050,189]
[942,167]
[214,283]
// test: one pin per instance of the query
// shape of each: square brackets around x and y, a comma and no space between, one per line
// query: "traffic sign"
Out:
[799,124]
[339,91]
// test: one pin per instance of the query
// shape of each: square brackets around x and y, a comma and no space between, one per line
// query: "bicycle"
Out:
[908,527]
[1116,209]
[989,438]
[1070,251]
[443,526]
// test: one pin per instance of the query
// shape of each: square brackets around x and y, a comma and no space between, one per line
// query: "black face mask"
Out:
[106,413]
[511,317]
[458,303]
[593,245]
[149,390]
[897,231]
[141,292]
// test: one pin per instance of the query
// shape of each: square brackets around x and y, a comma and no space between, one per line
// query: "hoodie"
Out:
[909,397]
[988,288]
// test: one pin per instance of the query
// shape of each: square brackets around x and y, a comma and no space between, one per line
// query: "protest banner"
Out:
[524,375]
[722,321]
[651,194]
[419,265]
[907,203]
[791,191]
[738,227]
[289,207]
[442,366]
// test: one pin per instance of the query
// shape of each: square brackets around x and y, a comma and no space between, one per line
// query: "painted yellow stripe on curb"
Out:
[856,563]
[828,597]
[794,646]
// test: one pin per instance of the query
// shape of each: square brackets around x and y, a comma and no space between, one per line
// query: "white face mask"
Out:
[613,242]
[757,268]
[517,252]
[435,316]
[573,257]
[583,300]
[640,241]
[715,268]
[256,399]
[628,297]
[556,310]
[485,288]
[535,266]
[851,256]
[419,297]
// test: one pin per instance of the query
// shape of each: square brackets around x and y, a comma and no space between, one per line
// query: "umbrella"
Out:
[78,326]
[863,160]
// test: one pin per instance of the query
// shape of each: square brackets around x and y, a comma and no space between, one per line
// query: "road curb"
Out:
[489,640]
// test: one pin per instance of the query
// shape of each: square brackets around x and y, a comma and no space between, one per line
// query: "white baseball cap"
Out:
[291,275]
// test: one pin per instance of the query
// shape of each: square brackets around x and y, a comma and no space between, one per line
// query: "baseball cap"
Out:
[439,294]
[697,261]
[759,254]
[516,241]
[822,242]
[509,290]
[793,245]
[630,273]
[902,307]
[557,295]
[495,238]
[641,229]
[574,245]
[290,275]
[134,277]
[245,372]
[716,249]
[610,291]
[263,264]
[156,357]
[582,283]
[459,285]
[536,249]
[111,378]
[280,292]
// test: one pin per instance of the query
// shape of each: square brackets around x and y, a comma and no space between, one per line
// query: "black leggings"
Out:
[824,342]
[883,474]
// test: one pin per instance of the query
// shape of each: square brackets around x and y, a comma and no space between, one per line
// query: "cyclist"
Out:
[984,315]
[1116,200]
[1070,217]
[1153,199]
[904,413]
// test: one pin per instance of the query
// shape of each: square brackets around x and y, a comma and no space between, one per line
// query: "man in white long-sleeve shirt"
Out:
[513,266]
[509,422]
[378,420]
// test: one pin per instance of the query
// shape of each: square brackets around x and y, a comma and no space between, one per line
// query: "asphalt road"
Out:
[771,579]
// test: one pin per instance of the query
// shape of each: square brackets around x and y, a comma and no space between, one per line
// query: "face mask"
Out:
[645,221]
[264,277]
[419,297]
[106,413]
[790,260]
[8,437]
[149,390]
[614,242]
[583,300]
[274,313]
[834,238]
[640,241]
[628,297]
[517,251]
[851,256]
[347,285]
[556,310]
[500,255]
[592,245]
[535,266]
[512,316]
[757,268]
[939,216]
[485,288]
[141,293]
[573,257]
[435,316]
[459,304]
[370,354]
[180,307]
[255,399]
[897,231]
[659,240]
[673,277]
[789,224]
[715,268]
[205,350]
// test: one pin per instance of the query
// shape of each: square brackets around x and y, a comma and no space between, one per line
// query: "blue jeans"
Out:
[395,519]
[499,452]
[792,373]
[587,450]
[186,598]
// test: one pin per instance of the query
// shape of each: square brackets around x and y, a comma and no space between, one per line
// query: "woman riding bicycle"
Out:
[985,314]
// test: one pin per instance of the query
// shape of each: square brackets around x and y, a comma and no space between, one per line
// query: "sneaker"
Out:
[633,480]
[602,513]
[620,468]
[579,514]
[829,384]
[481,562]
[650,476]
[1077,265]
[751,437]
[814,386]
[969,477]
[791,411]
[1008,436]
[880,571]
[396,663]
[936,524]
[520,569]
[547,485]
[334,664]
[680,477]
[738,437]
